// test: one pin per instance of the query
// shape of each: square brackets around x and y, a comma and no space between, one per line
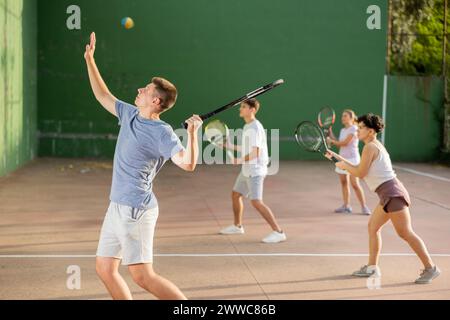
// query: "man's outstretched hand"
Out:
[101,91]
[90,48]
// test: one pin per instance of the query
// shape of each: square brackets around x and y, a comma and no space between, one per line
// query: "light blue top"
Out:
[142,148]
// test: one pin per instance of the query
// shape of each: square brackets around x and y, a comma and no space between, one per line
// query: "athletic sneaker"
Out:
[344,209]
[233,229]
[365,210]
[275,237]
[428,275]
[367,271]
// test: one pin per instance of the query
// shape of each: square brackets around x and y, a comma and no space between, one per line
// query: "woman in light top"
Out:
[348,149]
[376,169]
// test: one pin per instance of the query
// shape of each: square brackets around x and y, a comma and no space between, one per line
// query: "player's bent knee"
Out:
[139,279]
[256,203]
[373,230]
[236,195]
[405,235]
[143,277]
[145,281]
[104,269]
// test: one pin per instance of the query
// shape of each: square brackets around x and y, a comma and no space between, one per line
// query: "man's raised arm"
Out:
[101,91]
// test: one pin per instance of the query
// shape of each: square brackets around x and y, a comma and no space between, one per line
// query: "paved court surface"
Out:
[52,209]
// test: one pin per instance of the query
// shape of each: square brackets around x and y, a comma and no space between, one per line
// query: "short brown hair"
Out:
[252,103]
[167,92]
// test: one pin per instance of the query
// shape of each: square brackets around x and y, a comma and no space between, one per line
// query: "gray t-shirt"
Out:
[142,148]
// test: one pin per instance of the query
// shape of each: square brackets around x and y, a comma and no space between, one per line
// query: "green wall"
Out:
[18,85]
[414,118]
[214,51]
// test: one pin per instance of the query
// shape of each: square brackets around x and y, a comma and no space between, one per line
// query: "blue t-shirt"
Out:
[142,148]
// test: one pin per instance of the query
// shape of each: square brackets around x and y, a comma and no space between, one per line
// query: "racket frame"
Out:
[248,96]
[228,152]
[326,129]
[322,137]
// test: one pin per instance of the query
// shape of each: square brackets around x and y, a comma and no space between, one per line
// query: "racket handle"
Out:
[185,125]
[334,159]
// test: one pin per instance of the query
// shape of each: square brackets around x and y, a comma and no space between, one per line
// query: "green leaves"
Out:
[417,31]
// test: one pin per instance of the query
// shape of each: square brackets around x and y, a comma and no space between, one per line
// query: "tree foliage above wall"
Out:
[417,35]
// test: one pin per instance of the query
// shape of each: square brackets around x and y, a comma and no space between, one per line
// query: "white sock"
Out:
[375,269]
[372,268]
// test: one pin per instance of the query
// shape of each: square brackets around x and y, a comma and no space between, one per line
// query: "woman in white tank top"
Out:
[376,169]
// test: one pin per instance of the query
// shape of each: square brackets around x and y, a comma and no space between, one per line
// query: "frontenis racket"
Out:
[233,103]
[325,119]
[216,132]
[310,137]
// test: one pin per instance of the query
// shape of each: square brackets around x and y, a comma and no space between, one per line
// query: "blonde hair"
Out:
[352,115]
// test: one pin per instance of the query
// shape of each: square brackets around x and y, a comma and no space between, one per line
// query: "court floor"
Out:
[52,209]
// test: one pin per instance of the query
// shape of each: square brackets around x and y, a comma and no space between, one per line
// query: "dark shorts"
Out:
[393,195]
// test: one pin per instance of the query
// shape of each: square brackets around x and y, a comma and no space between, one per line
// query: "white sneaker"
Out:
[367,271]
[275,237]
[232,230]
[365,210]
[428,275]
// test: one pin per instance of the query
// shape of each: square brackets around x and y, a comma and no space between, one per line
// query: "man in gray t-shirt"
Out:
[144,144]
[142,148]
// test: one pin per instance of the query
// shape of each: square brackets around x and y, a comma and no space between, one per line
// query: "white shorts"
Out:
[127,234]
[250,187]
[355,162]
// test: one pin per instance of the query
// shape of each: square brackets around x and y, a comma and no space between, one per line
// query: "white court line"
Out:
[424,174]
[207,255]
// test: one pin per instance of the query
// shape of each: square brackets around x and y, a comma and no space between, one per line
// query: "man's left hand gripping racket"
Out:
[310,137]
[248,96]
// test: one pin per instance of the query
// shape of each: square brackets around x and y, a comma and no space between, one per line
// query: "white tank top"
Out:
[380,170]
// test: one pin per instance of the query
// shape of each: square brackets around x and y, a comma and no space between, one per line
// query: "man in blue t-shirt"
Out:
[144,144]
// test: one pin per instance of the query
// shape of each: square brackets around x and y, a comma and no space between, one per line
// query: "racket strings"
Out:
[326,117]
[327,121]
[216,132]
[219,138]
[310,137]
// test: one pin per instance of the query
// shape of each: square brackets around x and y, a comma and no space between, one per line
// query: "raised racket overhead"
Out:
[310,137]
[250,95]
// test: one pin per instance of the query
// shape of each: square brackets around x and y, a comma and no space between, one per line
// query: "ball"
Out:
[127,23]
